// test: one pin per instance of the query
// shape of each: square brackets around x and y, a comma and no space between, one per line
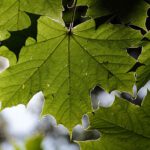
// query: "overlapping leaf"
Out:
[51,8]
[5,52]
[14,18]
[123,126]
[4,35]
[143,72]
[66,64]
[132,12]
[11,16]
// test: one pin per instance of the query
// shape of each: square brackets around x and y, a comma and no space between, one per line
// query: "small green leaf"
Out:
[4,35]
[34,143]
[4,51]
[30,41]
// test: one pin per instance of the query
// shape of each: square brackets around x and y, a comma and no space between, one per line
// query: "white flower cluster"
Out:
[21,122]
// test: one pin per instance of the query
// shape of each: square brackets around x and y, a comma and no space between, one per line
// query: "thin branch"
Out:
[73,16]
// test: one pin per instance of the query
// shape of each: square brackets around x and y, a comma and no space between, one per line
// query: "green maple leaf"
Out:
[67,65]
[11,16]
[143,72]
[132,12]
[123,126]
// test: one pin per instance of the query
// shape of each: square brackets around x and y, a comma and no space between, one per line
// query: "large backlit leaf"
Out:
[67,65]
[123,126]
[129,11]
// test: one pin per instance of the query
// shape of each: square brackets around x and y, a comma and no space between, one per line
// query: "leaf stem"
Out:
[73,16]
